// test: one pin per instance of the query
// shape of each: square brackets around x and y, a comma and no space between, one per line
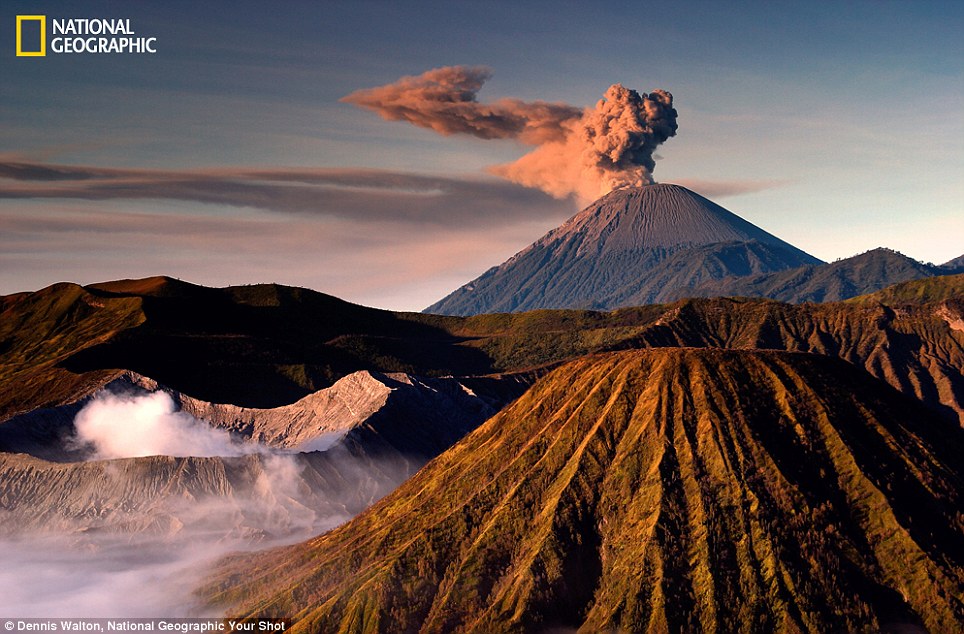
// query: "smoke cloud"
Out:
[611,146]
[579,152]
[444,100]
[133,426]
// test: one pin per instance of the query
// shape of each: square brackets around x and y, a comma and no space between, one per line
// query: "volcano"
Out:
[633,246]
[663,490]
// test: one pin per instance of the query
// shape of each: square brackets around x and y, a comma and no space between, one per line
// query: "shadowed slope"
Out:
[658,490]
[260,346]
[954,266]
[836,281]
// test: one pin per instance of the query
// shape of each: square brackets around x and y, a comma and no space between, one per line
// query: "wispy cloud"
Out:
[383,238]
[388,263]
[355,194]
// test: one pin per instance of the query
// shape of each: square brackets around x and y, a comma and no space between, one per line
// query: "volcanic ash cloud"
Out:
[578,152]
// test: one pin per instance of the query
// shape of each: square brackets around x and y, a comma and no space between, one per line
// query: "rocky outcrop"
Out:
[253,498]
[376,430]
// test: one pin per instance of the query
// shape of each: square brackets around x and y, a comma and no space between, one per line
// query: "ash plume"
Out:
[578,152]
[444,100]
[610,146]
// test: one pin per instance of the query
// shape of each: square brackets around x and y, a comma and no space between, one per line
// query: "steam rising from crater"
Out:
[581,152]
[119,426]
[146,531]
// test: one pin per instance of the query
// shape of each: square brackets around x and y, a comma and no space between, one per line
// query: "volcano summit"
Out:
[633,246]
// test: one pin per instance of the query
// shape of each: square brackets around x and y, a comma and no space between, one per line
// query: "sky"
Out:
[230,157]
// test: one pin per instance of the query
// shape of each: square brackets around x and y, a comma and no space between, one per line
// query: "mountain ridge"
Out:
[406,417]
[713,350]
[56,345]
[834,281]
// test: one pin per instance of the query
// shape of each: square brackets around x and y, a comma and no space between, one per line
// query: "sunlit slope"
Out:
[652,491]
[931,289]
[38,331]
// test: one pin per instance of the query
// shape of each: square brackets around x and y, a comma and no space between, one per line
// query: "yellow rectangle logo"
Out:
[42,50]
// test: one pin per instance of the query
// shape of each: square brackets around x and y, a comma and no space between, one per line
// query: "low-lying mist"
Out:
[133,529]
[103,577]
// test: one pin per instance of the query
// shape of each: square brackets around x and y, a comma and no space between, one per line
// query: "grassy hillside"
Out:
[657,490]
[931,289]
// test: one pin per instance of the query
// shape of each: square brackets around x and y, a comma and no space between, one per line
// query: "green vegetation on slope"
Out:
[657,490]
[931,289]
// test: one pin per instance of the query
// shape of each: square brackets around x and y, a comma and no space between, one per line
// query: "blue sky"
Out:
[837,126]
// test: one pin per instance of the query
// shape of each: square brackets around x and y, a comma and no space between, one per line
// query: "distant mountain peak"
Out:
[956,265]
[612,254]
[657,216]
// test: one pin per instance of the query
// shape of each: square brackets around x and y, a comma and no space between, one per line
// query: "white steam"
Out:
[133,536]
[122,426]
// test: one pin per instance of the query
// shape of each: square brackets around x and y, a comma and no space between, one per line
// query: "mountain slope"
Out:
[944,288]
[376,431]
[858,275]
[916,348]
[255,497]
[954,266]
[614,253]
[674,489]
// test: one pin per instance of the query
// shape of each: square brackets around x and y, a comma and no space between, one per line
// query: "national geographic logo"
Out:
[90,36]
[31,45]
